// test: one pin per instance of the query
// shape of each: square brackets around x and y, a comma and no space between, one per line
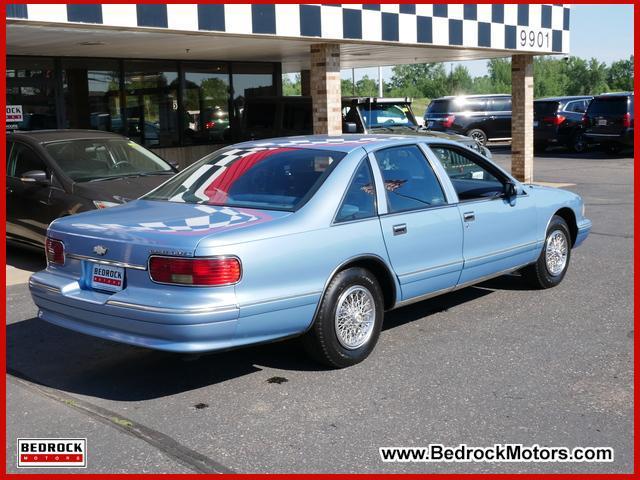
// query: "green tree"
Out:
[460,81]
[291,86]
[500,74]
[550,77]
[419,80]
[367,87]
[620,75]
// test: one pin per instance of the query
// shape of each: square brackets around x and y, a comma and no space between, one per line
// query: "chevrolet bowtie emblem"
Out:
[100,250]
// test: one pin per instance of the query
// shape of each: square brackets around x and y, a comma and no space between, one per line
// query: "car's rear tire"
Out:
[578,144]
[553,262]
[349,320]
[539,147]
[478,135]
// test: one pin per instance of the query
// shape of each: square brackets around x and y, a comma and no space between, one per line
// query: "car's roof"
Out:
[484,95]
[339,143]
[46,136]
[563,99]
[614,94]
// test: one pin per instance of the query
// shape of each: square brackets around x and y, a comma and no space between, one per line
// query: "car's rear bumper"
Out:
[185,324]
[173,328]
[625,138]
[584,227]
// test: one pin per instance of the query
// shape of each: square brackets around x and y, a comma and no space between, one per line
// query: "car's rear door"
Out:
[499,120]
[422,229]
[499,232]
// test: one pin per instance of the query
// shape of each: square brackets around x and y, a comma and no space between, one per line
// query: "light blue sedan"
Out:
[305,236]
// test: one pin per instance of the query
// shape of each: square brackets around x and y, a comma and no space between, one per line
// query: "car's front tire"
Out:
[553,262]
[349,319]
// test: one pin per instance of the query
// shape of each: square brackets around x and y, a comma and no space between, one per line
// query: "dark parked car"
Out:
[558,121]
[267,117]
[481,117]
[54,173]
[609,121]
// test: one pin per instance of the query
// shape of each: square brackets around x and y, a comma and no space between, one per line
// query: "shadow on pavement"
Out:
[68,361]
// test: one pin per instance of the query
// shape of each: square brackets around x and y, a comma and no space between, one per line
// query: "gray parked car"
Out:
[55,173]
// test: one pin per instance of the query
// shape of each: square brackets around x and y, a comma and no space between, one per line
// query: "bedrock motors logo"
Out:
[52,452]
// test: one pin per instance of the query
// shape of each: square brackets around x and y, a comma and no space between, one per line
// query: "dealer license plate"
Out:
[602,123]
[107,277]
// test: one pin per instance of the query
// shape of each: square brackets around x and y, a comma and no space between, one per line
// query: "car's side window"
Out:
[24,159]
[409,180]
[470,179]
[360,199]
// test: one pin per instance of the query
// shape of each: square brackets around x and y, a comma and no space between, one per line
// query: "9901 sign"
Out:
[534,39]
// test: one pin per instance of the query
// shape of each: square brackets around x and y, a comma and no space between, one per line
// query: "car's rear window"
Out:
[545,108]
[608,106]
[266,178]
[439,106]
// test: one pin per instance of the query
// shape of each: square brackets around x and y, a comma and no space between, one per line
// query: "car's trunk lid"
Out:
[132,232]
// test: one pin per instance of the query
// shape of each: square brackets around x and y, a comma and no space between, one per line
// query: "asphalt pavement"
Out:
[494,363]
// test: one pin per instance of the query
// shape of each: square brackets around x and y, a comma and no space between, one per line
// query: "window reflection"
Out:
[151,108]
[250,80]
[92,94]
[206,103]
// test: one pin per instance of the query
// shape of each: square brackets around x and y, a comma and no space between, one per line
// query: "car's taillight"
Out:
[555,120]
[448,121]
[626,120]
[215,271]
[209,125]
[54,250]
[585,121]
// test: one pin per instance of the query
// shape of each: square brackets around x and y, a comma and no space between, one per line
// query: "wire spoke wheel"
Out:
[355,317]
[556,252]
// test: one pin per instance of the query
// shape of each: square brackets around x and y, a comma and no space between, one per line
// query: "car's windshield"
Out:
[266,178]
[386,115]
[85,160]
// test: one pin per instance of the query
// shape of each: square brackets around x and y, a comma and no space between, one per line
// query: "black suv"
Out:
[481,117]
[267,117]
[609,121]
[558,121]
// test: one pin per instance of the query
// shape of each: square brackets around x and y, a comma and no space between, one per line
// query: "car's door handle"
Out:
[469,216]
[400,229]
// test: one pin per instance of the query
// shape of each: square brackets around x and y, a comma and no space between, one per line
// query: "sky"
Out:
[601,31]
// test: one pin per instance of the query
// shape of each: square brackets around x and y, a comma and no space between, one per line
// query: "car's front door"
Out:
[499,232]
[29,207]
[421,229]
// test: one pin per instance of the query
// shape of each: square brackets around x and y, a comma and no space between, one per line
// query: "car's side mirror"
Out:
[510,190]
[350,127]
[35,176]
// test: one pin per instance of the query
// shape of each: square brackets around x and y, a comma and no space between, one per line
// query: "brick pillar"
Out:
[325,89]
[522,117]
[305,83]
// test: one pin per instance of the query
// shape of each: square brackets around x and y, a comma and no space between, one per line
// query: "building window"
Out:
[205,100]
[31,85]
[91,92]
[250,80]
[151,102]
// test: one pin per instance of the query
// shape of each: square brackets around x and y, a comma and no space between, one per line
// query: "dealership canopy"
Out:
[317,40]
